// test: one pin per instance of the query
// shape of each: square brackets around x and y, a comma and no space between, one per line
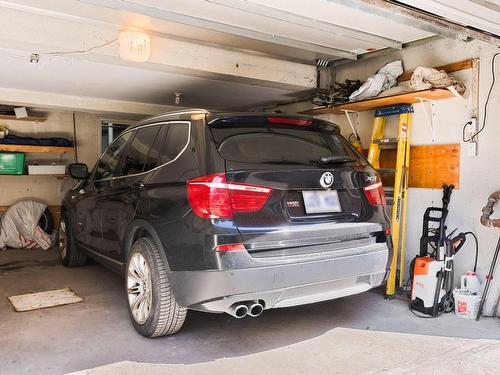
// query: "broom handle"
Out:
[488,280]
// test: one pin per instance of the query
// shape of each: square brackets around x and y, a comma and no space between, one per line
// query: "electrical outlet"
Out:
[471,128]
[472,148]
[472,125]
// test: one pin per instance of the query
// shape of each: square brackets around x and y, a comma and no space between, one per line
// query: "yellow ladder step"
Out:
[387,170]
[385,141]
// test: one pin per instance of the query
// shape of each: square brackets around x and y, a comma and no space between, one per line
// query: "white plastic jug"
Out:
[470,282]
[466,304]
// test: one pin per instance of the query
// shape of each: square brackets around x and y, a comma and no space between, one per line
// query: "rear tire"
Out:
[152,306]
[70,255]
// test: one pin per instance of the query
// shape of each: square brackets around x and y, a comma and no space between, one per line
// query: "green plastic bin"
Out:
[11,163]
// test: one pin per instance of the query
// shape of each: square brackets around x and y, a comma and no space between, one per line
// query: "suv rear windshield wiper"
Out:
[284,162]
[334,159]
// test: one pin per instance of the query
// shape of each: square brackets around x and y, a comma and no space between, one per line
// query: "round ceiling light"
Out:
[134,46]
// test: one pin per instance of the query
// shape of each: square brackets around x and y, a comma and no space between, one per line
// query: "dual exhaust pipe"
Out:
[241,309]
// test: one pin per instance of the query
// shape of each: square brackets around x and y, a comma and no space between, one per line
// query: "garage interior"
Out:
[62,62]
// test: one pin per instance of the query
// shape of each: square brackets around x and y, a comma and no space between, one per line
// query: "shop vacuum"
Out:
[432,270]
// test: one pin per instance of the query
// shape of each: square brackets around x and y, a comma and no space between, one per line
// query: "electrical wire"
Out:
[78,52]
[477,248]
[29,57]
[485,103]
[441,312]
[349,138]
[14,55]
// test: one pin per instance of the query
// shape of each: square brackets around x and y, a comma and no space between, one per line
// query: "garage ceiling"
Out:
[91,79]
[220,54]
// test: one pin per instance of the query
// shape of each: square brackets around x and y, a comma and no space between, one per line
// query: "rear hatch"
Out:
[315,188]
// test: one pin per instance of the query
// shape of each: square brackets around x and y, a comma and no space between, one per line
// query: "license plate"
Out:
[320,202]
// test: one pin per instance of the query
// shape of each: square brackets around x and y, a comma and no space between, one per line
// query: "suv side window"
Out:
[177,139]
[108,163]
[138,150]
[154,152]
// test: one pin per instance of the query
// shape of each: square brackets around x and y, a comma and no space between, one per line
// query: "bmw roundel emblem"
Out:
[326,179]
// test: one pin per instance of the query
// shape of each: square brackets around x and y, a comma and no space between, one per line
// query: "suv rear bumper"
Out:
[284,284]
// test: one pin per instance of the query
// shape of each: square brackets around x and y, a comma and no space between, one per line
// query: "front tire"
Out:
[70,255]
[152,306]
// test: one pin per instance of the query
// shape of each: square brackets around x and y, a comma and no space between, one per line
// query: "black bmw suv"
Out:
[235,213]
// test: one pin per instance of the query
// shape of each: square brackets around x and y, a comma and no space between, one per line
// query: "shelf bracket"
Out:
[429,118]
[475,88]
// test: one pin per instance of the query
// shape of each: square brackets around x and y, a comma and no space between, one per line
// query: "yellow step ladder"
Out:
[400,200]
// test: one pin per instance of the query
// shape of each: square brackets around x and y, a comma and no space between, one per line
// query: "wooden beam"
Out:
[448,68]
[29,118]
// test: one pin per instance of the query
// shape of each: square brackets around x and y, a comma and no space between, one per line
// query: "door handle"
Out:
[138,185]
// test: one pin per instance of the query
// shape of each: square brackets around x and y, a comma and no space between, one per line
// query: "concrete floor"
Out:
[342,351]
[98,331]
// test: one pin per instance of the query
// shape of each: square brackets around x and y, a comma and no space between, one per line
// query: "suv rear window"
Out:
[281,144]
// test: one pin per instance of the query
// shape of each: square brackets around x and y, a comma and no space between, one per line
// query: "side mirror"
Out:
[78,171]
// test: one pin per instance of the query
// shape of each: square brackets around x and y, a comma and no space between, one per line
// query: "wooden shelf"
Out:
[36,149]
[386,101]
[56,176]
[29,118]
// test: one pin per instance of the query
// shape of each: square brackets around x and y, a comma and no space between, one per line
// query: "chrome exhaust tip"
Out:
[238,310]
[255,309]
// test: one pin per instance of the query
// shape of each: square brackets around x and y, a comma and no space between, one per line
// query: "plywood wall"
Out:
[431,166]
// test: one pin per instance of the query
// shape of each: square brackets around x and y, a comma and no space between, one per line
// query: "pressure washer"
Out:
[432,270]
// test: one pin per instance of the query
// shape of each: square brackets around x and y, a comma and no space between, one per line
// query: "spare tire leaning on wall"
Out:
[46,221]
[26,225]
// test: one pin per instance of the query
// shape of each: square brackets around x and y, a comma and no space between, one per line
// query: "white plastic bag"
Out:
[424,78]
[384,79]
[19,227]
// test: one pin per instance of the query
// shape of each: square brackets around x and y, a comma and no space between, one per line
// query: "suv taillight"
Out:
[212,197]
[375,194]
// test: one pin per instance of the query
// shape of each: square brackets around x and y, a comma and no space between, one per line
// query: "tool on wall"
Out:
[400,198]
[487,221]
[353,138]
[432,270]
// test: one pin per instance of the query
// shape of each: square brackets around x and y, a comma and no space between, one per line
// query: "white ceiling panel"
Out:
[480,14]
[342,15]
[236,13]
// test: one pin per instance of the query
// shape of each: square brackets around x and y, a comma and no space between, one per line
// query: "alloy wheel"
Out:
[63,244]
[139,288]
